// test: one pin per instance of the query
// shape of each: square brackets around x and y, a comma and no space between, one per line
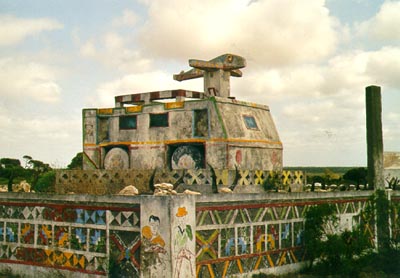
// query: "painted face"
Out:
[154,226]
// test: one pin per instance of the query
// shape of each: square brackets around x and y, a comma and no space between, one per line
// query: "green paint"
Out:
[221,122]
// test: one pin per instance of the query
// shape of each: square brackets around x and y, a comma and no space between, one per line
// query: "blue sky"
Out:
[310,61]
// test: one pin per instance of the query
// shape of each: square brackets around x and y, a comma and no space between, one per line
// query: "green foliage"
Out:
[76,162]
[46,182]
[356,176]
[382,219]
[393,182]
[36,168]
[333,253]
[10,169]
[316,219]
[273,182]
[351,253]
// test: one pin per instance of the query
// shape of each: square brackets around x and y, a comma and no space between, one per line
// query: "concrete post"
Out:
[374,137]
[168,237]
[183,236]
[375,164]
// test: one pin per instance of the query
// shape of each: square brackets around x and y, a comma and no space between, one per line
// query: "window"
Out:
[250,122]
[127,122]
[159,120]
[200,123]
[102,125]
[186,156]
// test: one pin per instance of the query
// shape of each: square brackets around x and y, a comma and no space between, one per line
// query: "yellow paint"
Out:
[194,140]
[25,230]
[62,241]
[133,109]
[68,255]
[59,259]
[46,230]
[261,240]
[49,253]
[298,175]
[105,111]
[259,179]
[174,105]
[258,263]
[282,259]
[226,265]
[210,270]
[286,175]
[80,261]
[198,270]
[271,263]
[293,256]
[205,247]
[222,176]
[239,264]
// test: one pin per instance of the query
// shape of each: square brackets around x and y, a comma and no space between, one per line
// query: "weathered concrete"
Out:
[102,182]
[220,235]
[181,129]
[374,137]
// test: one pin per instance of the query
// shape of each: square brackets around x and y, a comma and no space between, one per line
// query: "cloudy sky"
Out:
[309,60]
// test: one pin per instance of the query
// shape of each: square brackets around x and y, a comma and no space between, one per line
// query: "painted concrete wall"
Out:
[102,182]
[219,235]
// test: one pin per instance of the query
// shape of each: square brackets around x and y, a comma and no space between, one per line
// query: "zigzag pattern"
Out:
[66,237]
[235,239]
[102,182]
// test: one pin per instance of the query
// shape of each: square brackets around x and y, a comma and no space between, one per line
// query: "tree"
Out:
[36,168]
[76,162]
[11,168]
[356,175]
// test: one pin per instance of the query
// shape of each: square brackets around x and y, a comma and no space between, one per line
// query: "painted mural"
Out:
[153,245]
[183,235]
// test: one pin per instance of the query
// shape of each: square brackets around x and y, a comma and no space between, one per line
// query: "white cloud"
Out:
[55,138]
[21,79]
[113,50]
[128,18]
[139,83]
[384,25]
[13,30]
[277,32]
[384,66]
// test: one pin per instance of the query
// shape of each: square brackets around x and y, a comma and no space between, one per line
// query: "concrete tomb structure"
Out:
[181,129]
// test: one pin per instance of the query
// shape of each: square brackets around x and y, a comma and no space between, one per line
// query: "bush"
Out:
[272,182]
[46,182]
[356,176]
[333,253]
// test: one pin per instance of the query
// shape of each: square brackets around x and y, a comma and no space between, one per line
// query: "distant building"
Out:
[182,129]
[391,164]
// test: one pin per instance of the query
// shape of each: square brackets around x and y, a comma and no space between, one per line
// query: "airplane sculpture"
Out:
[216,73]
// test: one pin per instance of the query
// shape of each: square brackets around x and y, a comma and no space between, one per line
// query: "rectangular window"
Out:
[159,120]
[250,122]
[102,132]
[200,123]
[127,122]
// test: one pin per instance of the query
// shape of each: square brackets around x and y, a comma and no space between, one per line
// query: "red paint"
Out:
[239,156]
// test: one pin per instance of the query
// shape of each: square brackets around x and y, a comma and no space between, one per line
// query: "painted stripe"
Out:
[194,140]
[246,256]
[284,204]
[140,97]
[221,122]
[86,207]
